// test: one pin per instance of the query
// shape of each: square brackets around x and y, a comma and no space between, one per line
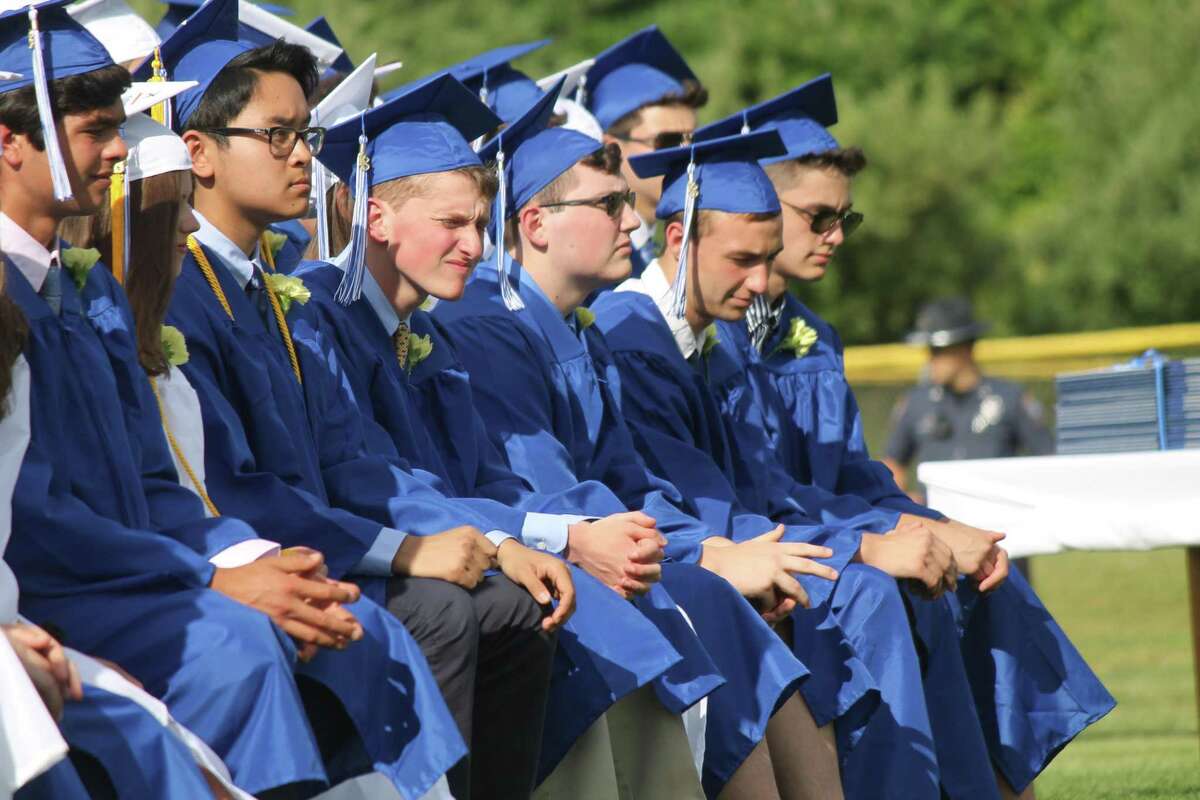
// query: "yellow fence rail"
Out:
[1025,356]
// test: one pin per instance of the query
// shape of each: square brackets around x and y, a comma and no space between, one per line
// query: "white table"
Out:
[1048,504]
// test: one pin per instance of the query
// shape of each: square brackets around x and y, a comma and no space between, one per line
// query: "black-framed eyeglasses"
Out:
[661,141]
[612,203]
[823,221]
[280,138]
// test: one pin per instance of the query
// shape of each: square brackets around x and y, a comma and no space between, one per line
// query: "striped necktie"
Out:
[400,341]
[52,288]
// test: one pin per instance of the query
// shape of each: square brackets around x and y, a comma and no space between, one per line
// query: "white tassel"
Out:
[321,209]
[512,300]
[350,289]
[126,228]
[678,304]
[745,124]
[58,168]
[581,91]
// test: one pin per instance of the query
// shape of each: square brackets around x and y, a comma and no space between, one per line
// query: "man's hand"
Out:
[460,555]
[976,551]
[47,665]
[543,576]
[912,551]
[622,551]
[290,589]
[761,570]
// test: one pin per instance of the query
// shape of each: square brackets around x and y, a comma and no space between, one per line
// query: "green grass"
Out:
[1128,615]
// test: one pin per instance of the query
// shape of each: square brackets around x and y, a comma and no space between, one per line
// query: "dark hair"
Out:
[13,332]
[230,92]
[607,159]
[694,95]
[149,280]
[76,94]
[849,161]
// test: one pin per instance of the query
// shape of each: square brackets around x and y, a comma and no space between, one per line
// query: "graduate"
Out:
[96,542]
[791,365]
[645,97]
[545,390]
[424,223]
[286,453]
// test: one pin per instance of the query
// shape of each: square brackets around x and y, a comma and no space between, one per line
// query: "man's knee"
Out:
[503,606]
[867,590]
[435,612]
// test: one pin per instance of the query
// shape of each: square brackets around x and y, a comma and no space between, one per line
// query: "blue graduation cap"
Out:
[801,116]
[529,156]
[321,27]
[198,50]
[40,43]
[507,91]
[716,175]
[637,71]
[179,10]
[427,129]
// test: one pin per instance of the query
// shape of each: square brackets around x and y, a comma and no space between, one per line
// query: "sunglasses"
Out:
[280,139]
[825,220]
[661,141]
[612,203]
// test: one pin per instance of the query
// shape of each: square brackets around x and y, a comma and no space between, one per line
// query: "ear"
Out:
[673,239]
[11,150]
[610,139]
[379,221]
[531,221]
[200,148]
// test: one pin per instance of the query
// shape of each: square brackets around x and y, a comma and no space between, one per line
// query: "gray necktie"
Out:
[52,288]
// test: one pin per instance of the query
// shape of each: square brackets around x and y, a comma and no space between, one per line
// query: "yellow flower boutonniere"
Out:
[79,262]
[286,289]
[585,317]
[800,338]
[274,241]
[711,340]
[174,346]
[419,348]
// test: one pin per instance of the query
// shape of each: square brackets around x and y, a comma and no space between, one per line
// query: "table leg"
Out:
[1193,562]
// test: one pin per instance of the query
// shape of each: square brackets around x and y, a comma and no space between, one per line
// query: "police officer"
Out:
[957,412]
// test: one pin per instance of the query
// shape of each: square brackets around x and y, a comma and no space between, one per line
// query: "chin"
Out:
[732,314]
[449,290]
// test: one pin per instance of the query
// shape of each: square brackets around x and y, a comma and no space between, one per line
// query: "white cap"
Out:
[279,28]
[154,149]
[578,118]
[573,77]
[144,95]
[383,70]
[350,97]
[125,35]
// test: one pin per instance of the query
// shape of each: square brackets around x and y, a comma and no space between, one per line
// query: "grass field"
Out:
[1128,614]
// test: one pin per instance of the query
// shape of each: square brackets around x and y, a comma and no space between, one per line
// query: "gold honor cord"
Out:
[116,206]
[178,451]
[210,276]
[268,257]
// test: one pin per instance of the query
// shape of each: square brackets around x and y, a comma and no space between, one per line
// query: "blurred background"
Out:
[1039,156]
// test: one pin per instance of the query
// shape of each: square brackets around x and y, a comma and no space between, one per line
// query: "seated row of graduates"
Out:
[338,534]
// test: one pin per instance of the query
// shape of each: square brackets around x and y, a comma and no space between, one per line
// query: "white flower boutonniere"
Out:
[585,317]
[419,348]
[286,289]
[274,241]
[711,340]
[79,262]
[174,346]
[800,338]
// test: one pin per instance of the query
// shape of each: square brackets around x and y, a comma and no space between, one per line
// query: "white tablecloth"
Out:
[1125,501]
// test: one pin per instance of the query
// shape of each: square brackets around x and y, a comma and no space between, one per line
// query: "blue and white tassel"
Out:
[678,303]
[512,300]
[58,168]
[350,289]
[321,208]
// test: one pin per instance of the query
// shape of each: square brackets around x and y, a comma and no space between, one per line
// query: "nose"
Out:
[472,243]
[629,219]
[188,224]
[756,281]
[117,149]
[835,236]
[301,153]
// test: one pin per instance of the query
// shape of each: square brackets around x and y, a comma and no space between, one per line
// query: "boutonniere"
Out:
[800,338]
[711,340]
[274,241]
[174,346]
[419,348]
[79,262]
[585,317]
[287,288]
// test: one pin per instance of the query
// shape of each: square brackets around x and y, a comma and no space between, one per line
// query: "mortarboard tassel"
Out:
[118,205]
[581,91]
[161,112]
[745,123]
[58,168]
[350,289]
[678,304]
[512,300]
[321,188]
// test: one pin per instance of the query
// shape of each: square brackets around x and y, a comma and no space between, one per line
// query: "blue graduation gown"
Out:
[607,648]
[262,463]
[1032,688]
[93,563]
[291,254]
[675,410]
[539,393]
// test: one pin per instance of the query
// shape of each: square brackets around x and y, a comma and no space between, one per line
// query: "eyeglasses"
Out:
[661,141]
[823,221]
[612,203]
[282,140]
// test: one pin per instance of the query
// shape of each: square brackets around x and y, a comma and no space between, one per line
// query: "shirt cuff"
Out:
[498,537]
[243,553]
[548,532]
[378,560]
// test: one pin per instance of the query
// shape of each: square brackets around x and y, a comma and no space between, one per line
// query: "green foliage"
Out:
[1039,155]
